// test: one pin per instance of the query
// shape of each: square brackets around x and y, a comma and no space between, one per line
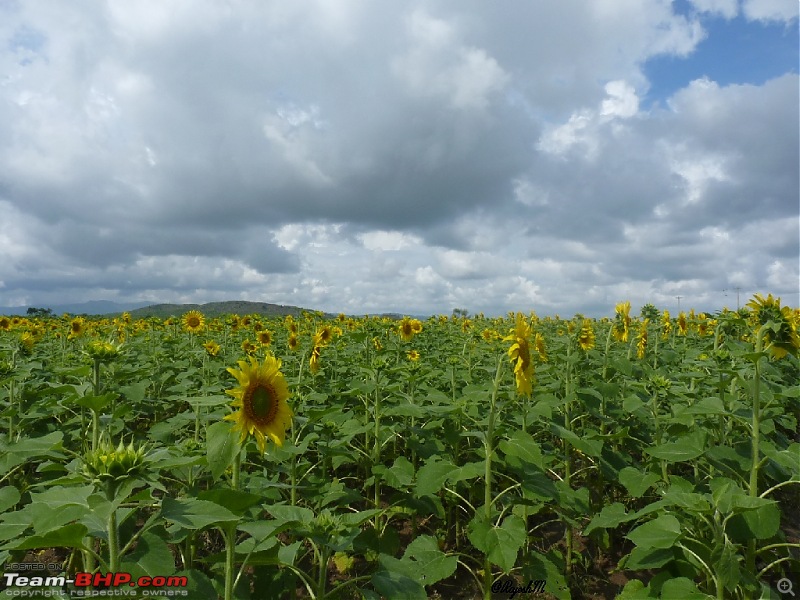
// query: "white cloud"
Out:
[409,158]
[771,10]
[726,8]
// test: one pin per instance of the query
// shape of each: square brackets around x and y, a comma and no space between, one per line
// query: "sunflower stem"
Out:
[230,534]
[487,476]
[755,436]
[113,542]
[376,446]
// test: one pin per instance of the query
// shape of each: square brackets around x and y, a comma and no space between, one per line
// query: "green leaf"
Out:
[500,544]
[28,448]
[399,476]
[636,482]
[222,445]
[291,514]
[9,496]
[428,561]
[761,522]
[587,445]
[96,403]
[609,518]
[432,475]
[68,536]
[661,532]
[393,584]
[682,588]
[648,558]
[727,568]
[520,449]
[152,557]
[235,501]
[706,406]
[687,448]
[191,513]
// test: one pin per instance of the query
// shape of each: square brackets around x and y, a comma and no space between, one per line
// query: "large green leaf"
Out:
[500,544]
[222,445]
[27,448]
[152,557]
[648,558]
[760,520]
[9,496]
[520,450]
[637,482]
[685,449]
[661,532]
[68,536]
[609,518]
[399,476]
[393,584]
[96,403]
[191,513]
[432,475]
[235,501]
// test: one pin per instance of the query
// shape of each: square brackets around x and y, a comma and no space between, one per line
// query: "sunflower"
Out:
[622,321]
[248,347]
[316,352]
[540,347]
[413,355]
[406,329]
[416,325]
[193,321]
[5,324]
[586,335]
[212,347]
[325,335]
[641,344]
[768,310]
[264,337]
[683,326]
[261,397]
[77,327]
[520,355]
[292,342]
[666,325]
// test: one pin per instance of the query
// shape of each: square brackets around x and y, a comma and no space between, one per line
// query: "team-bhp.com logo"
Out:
[95,584]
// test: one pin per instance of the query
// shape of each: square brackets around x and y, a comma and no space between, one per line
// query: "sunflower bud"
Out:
[101,351]
[110,466]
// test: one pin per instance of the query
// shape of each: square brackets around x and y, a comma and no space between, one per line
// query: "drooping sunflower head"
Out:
[641,343]
[586,336]
[325,334]
[261,397]
[622,321]
[292,342]
[248,347]
[785,340]
[193,321]
[520,355]
[212,347]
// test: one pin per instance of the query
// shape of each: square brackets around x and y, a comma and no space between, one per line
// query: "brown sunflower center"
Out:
[193,321]
[260,404]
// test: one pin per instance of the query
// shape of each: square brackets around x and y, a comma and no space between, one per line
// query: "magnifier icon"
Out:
[785,586]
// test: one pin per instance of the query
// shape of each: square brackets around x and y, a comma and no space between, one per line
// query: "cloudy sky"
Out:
[417,156]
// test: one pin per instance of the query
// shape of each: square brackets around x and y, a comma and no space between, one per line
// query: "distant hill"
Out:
[93,307]
[215,309]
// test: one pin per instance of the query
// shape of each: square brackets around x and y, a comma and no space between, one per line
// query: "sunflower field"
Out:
[459,457]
